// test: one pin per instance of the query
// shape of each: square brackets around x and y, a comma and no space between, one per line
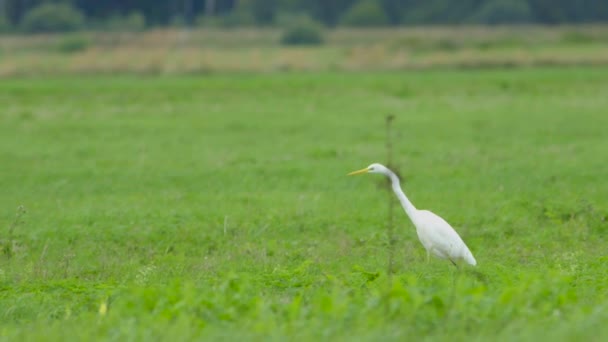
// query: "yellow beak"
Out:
[358,172]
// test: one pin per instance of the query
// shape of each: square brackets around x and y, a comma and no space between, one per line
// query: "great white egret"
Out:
[436,235]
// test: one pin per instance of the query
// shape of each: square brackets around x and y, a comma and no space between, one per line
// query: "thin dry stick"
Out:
[391,202]
[9,248]
[16,221]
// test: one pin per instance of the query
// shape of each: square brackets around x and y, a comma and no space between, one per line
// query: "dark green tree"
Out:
[52,17]
[328,12]
[264,11]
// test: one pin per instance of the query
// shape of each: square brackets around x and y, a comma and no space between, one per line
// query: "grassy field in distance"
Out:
[185,207]
[203,51]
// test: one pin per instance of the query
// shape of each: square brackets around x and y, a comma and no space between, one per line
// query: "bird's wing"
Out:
[442,236]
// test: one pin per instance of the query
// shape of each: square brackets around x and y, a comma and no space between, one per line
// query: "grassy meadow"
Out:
[217,206]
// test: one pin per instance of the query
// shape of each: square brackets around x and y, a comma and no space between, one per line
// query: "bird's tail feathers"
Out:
[469,258]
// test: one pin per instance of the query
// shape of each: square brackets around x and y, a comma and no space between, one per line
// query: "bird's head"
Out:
[373,168]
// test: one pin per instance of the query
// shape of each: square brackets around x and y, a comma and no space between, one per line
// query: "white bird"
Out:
[435,234]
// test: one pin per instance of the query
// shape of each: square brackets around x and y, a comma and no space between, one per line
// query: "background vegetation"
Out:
[76,14]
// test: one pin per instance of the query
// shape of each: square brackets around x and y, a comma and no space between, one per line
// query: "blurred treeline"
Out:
[66,15]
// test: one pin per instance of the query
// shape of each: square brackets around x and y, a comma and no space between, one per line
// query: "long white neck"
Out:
[409,208]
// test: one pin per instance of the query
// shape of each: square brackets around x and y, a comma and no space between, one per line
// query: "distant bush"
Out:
[365,13]
[303,31]
[496,12]
[73,43]
[52,17]
[135,21]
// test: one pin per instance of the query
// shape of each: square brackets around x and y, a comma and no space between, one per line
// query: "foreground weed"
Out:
[10,245]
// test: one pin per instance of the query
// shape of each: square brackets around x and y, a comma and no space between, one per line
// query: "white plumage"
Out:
[435,234]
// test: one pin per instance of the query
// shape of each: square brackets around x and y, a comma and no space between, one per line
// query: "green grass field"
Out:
[217,207]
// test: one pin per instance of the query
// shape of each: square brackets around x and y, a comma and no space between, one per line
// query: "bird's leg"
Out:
[455,274]
[428,256]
